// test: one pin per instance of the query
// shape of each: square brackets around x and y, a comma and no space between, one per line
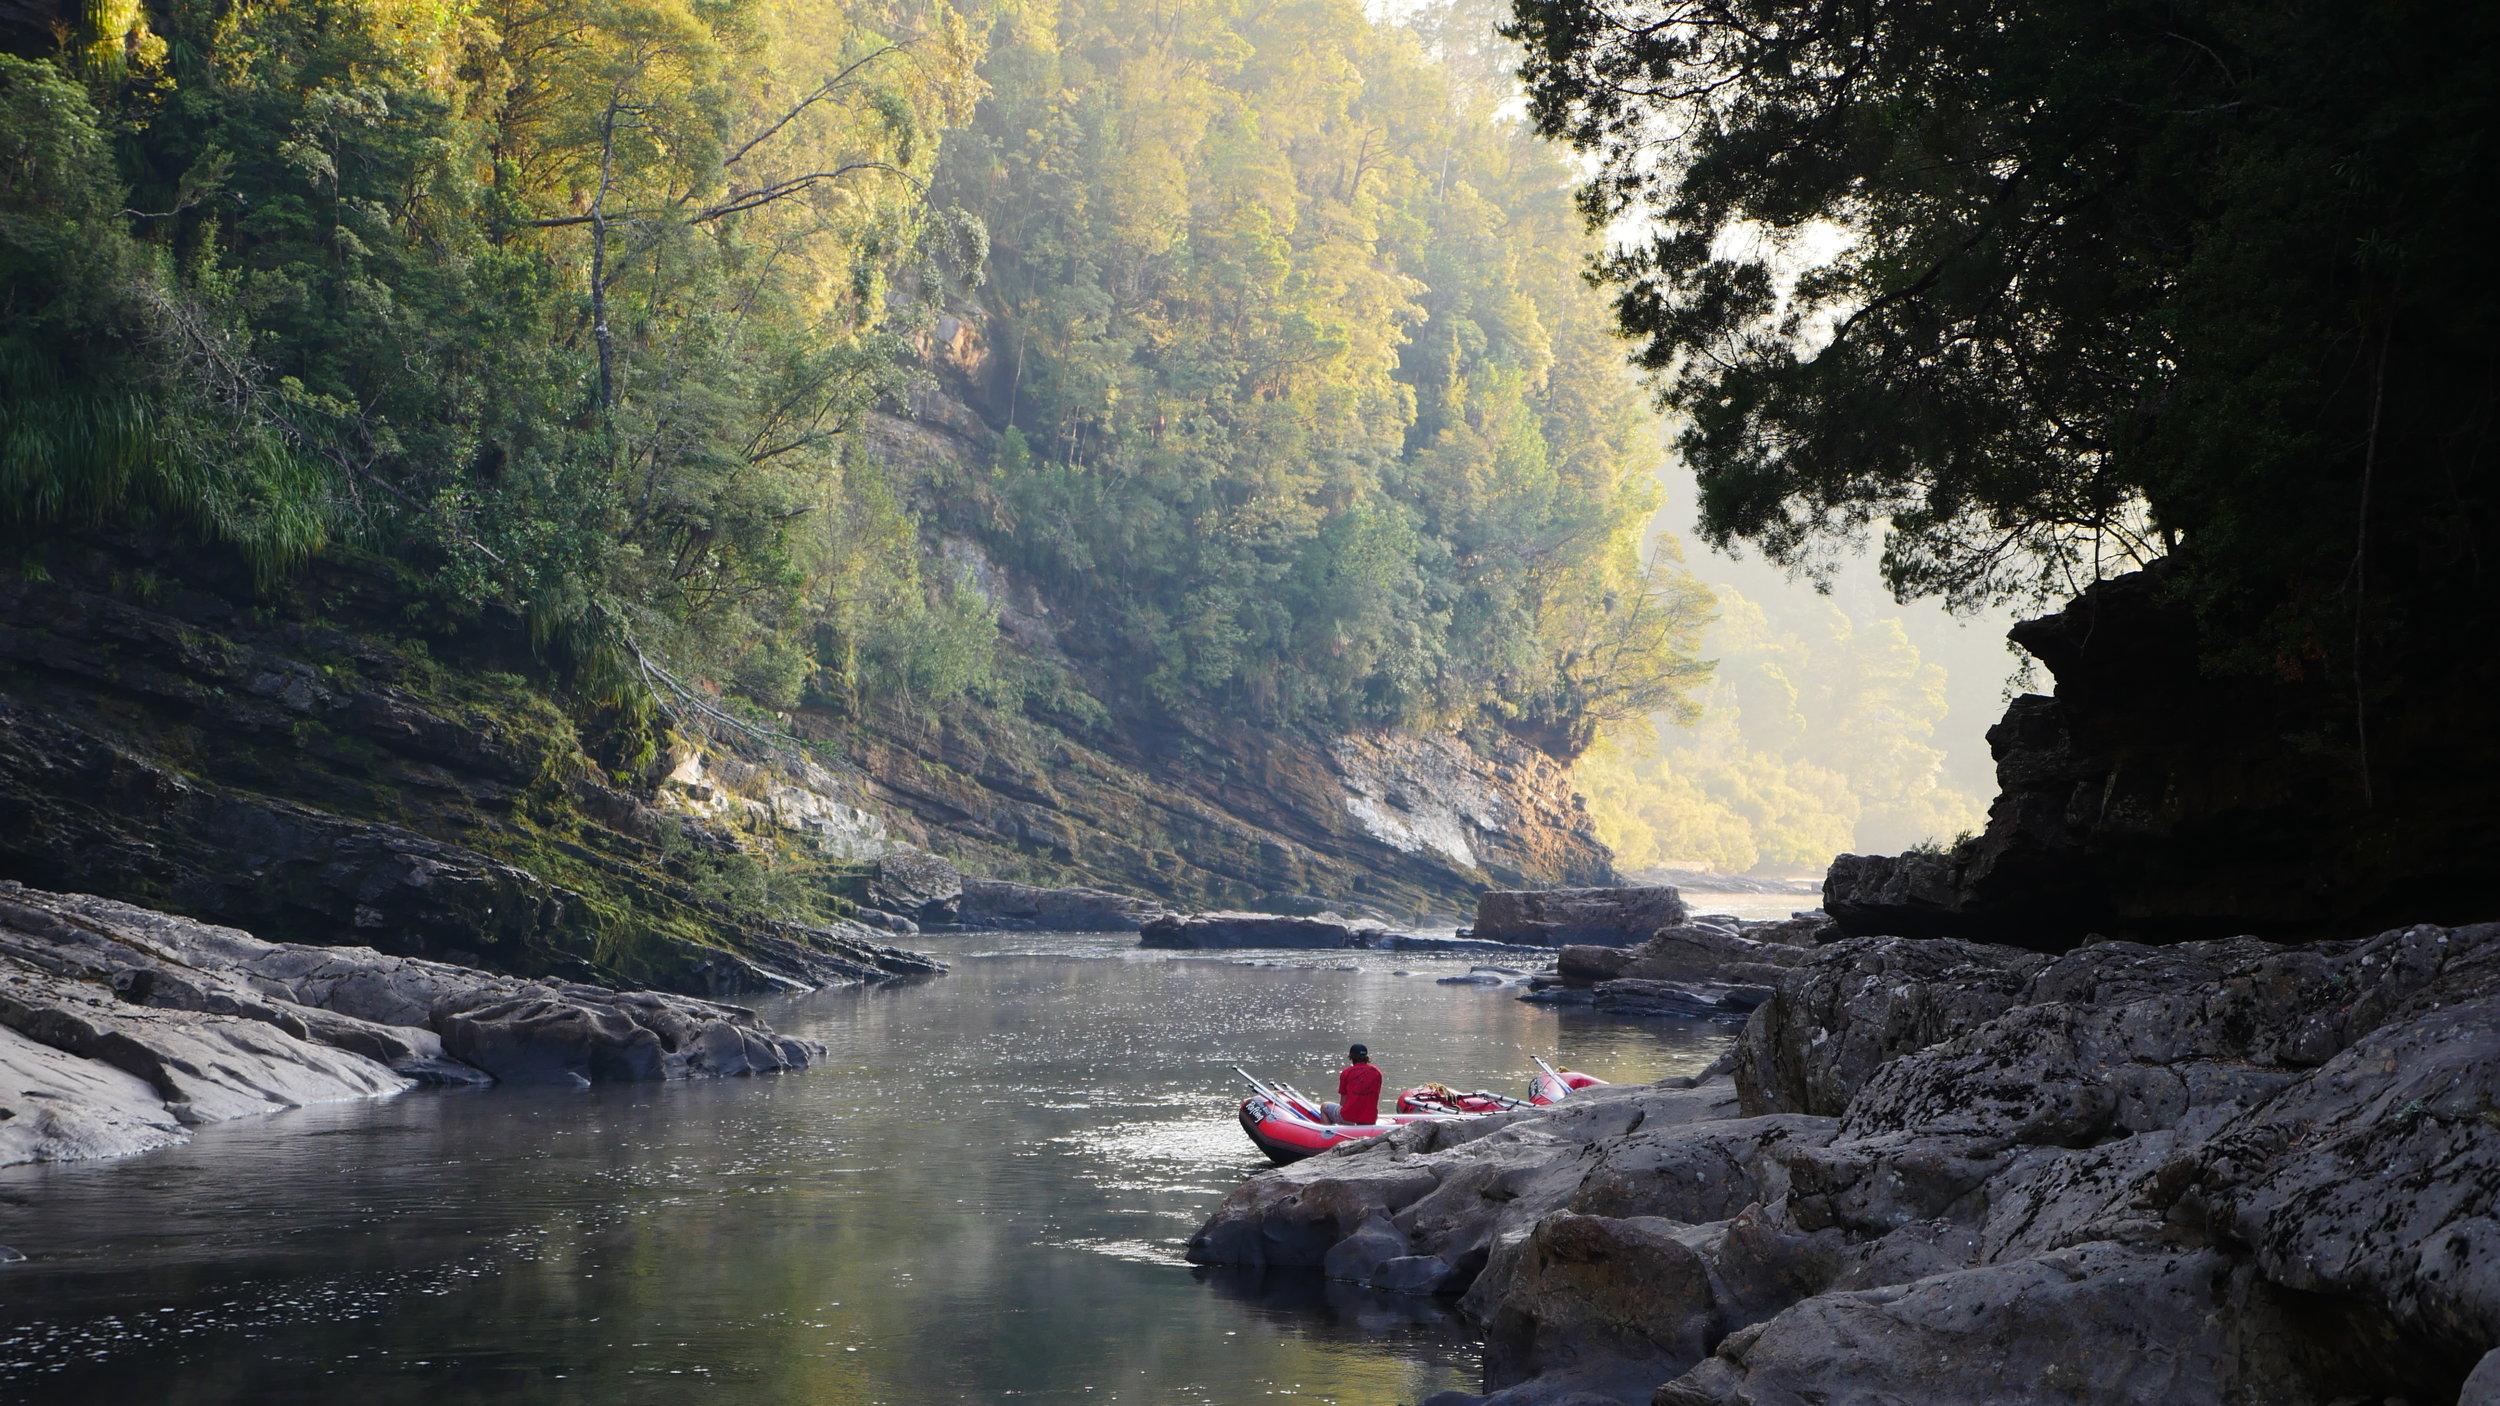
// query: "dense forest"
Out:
[1307,395]
[567,312]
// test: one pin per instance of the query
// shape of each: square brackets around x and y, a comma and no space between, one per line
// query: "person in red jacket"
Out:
[1358,1090]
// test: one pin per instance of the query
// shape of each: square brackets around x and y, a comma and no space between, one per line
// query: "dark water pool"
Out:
[980,1197]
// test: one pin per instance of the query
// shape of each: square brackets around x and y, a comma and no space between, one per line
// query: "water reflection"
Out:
[980,1197]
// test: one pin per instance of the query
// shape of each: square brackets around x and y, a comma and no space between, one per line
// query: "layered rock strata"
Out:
[913,890]
[270,766]
[2217,1172]
[120,1027]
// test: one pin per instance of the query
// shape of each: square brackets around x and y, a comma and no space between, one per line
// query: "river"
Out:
[980,1197]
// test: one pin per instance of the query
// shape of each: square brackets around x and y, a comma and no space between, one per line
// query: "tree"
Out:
[2111,281]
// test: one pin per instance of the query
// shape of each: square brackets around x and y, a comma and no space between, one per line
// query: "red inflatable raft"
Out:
[1286,1124]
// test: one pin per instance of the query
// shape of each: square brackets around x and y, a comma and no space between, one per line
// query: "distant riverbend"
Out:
[979,1196]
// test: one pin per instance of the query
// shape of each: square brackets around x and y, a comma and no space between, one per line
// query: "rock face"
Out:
[2147,799]
[277,769]
[2215,1172]
[1606,917]
[119,1026]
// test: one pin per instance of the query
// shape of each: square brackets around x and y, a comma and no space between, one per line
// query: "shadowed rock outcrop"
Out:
[2152,797]
[2215,1172]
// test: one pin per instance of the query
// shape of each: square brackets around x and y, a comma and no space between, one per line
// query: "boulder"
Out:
[921,887]
[1797,930]
[1595,1299]
[559,1033]
[1691,952]
[1607,917]
[1200,931]
[1586,962]
[993,903]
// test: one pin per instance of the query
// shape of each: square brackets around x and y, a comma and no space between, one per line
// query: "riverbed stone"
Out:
[1599,1296]
[1606,917]
[2215,1172]
[996,903]
[214,1023]
[921,887]
[1591,963]
[60,1107]
[1693,952]
[1201,931]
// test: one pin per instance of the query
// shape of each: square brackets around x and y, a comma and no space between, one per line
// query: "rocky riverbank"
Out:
[121,1027]
[1943,1171]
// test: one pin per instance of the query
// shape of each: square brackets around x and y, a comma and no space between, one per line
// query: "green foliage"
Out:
[1312,417]
[2039,287]
[116,396]
[565,305]
[569,309]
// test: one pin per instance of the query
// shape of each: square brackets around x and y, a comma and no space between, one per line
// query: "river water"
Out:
[979,1197]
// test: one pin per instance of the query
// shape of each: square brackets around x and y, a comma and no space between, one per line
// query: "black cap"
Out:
[1359,1052]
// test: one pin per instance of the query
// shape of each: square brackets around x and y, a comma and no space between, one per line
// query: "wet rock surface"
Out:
[120,1026]
[1607,917]
[2218,1172]
[1200,931]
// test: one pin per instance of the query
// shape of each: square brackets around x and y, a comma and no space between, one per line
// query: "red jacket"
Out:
[1358,1093]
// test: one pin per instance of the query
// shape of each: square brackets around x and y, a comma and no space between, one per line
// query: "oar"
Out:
[1270,1094]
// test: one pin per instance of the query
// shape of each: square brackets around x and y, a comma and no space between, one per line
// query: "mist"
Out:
[1838,720]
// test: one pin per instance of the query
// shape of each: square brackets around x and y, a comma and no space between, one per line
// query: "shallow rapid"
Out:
[979,1197]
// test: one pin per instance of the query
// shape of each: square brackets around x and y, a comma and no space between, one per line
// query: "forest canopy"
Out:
[563,307]
[1308,402]
[571,310]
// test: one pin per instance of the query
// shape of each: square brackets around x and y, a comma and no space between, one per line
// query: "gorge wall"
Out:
[1089,780]
[301,763]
